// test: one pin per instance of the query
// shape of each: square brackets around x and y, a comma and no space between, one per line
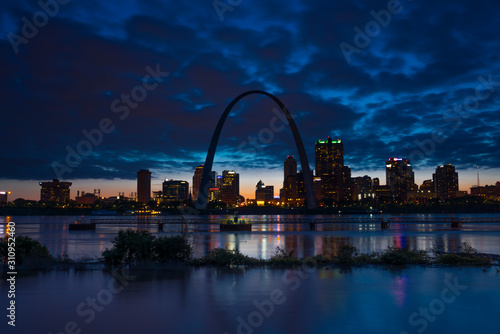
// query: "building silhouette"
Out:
[263,194]
[230,187]
[87,198]
[55,191]
[4,197]
[143,186]
[175,190]
[198,173]
[400,178]
[290,191]
[488,192]
[445,181]
[362,187]
[335,178]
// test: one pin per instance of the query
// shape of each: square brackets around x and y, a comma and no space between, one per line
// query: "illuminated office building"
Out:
[230,187]
[55,191]
[329,164]
[445,181]
[175,190]
[400,178]
[290,194]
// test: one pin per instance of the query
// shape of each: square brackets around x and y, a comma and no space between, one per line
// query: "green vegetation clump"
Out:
[226,257]
[27,251]
[134,247]
[283,259]
[174,248]
[131,246]
[461,260]
[468,256]
[395,255]
[346,256]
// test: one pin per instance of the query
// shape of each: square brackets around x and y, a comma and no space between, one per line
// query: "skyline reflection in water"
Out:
[262,241]
[184,299]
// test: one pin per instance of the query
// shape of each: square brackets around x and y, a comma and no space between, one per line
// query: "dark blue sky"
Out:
[422,79]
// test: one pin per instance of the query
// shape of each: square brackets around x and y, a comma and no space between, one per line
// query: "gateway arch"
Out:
[205,178]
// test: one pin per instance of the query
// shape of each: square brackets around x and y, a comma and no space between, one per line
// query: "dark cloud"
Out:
[399,90]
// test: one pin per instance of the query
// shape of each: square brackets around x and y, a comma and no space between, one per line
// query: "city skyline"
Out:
[145,89]
[248,192]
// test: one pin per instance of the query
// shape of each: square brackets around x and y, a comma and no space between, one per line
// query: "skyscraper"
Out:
[55,191]
[198,172]
[335,177]
[143,186]
[445,181]
[230,187]
[328,156]
[290,167]
[290,181]
[400,178]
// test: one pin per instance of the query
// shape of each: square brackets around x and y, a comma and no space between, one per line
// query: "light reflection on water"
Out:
[264,238]
[210,300]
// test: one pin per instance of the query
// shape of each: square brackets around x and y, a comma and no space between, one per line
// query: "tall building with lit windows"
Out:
[55,191]
[400,178]
[143,186]
[198,173]
[328,156]
[329,165]
[445,181]
[290,191]
[230,187]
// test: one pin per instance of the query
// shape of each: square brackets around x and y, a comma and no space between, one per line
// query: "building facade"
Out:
[55,191]
[264,195]
[175,190]
[400,178]
[198,173]
[445,182]
[329,166]
[230,187]
[143,186]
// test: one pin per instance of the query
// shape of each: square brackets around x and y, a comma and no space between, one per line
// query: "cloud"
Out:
[393,95]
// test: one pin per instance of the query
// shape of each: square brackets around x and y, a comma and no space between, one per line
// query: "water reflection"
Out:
[264,238]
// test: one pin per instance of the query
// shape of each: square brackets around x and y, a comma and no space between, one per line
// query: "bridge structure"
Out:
[306,171]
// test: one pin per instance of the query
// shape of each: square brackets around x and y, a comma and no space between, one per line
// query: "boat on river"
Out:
[81,225]
[235,224]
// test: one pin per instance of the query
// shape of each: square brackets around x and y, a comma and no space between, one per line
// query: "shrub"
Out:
[403,255]
[27,251]
[175,248]
[227,257]
[130,246]
[461,259]
[467,248]
[346,255]
[283,259]
[368,258]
